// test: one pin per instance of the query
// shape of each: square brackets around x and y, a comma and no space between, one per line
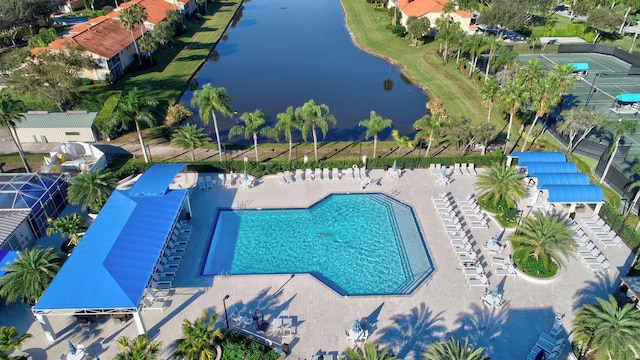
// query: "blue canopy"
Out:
[536,157]
[575,193]
[156,180]
[113,263]
[632,98]
[579,66]
[534,169]
[6,257]
[562,179]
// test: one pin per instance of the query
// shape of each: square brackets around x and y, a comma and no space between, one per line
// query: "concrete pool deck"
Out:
[443,306]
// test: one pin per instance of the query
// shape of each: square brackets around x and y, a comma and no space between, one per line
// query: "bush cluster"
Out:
[527,264]
[235,346]
[628,234]
[505,215]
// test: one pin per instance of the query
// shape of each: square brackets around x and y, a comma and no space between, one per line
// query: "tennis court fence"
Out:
[632,59]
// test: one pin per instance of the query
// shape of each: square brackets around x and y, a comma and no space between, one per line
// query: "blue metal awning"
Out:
[545,180]
[534,169]
[536,157]
[579,66]
[156,180]
[632,98]
[574,194]
[113,263]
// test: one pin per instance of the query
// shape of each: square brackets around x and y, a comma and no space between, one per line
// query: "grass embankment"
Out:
[176,64]
[421,64]
[13,163]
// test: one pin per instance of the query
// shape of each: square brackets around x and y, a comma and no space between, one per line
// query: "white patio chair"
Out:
[317,175]
[349,173]
[280,177]
[456,169]
[325,174]
[299,174]
[308,175]
[287,176]
[335,174]
[471,168]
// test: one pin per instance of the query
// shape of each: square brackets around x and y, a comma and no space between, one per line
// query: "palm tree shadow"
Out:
[592,289]
[481,326]
[410,333]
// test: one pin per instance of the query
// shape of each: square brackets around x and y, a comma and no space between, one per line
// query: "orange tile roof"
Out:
[79,28]
[156,9]
[464,14]
[106,39]
[420,7]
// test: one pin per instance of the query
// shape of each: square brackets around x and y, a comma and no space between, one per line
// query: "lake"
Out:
[282,53]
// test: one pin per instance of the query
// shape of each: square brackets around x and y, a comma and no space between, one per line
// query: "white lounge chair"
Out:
[335,174]
[432,170]
[326,174]
[363,172]
[210,182]
[478,281]
[299,174]
[473,271]
[456,169]
[506,271]
[201,184]
[280,177]
[617,241]
[287,176]
[471,168]
[599,260]
[356,172]
[308,175]
[222,180]
[317,175]
[349,173]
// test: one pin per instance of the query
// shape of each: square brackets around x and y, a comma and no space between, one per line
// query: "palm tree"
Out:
[427,128]
[489,92]
[454,350]
[634,185]
[199,338]
[492,44]
[135,108]
[314,116]
[129,18]
[91,189]
[446,31]
[501,183]
[474,45]
[368,352]
[402,141]
[10,340]
[547,236]
[148,45]
[607,330]
[374,125]
[11,112]
[510,97]
[287,121]
[176,114]
[458,40]
[545,91]
[69,226]
[189,137]
[139,348]
[621,128]
[29,274]
[209,100]
[253,125]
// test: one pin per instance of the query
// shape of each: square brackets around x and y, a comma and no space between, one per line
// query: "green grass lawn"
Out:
[459,95]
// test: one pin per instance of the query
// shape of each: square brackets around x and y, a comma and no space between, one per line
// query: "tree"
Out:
[504,57]
[510,97]
[28,276]
[489,92]
[69,227]
[607,330]
[203,2]
[454,350]
[287,121]
[458,40]
[199,338]
[10,341]
[91,189]
[631,4]
[427,128]
[163,32]
[545,91]
[402,141]
[139,348]
[175,19]
[603,20]
[483,134]
[501,183]
[438,112]
[176,114]
[493,45]
[209,100]
[417,28]
[15,13]
[446,33]
[460,133]
[506,14]
[374,125]
[314,116]
[474,46]
[368,352]
[52,74]
[621,128]
[189,137]
[548,237]
[253,125]
[11,112]
[132,107]
[129,18]
[148,45]
[578,121]
[630,187]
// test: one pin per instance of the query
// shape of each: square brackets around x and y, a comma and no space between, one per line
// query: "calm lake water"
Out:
[284,52]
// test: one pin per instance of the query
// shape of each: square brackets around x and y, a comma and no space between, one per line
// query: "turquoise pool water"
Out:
[358,244]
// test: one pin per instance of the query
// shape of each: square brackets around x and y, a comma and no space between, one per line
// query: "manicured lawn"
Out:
[13,163]
[421,64]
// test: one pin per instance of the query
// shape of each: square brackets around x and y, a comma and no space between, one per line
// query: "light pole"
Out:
[591,89]
[224,304]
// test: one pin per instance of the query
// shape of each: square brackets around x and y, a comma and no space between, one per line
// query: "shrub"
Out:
[530,266]
[626,232]
[235,346]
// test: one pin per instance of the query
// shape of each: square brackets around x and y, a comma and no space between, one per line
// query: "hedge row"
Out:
[628,234]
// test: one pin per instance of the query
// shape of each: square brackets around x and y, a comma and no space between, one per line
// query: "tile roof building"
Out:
[432,9]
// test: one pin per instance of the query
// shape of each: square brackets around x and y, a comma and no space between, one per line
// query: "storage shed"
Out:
[43,127]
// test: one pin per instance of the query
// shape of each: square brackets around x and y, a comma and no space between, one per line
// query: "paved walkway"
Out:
[443,306]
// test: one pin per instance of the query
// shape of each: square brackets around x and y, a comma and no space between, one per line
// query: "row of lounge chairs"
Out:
[460,242]
[590,254]
[550,345]
[208,182]
[601,231]
[458,169]
[472,212]
[504,266]
[172,255]
[354,173]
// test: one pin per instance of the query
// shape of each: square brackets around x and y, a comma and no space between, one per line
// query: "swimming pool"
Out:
[358,244]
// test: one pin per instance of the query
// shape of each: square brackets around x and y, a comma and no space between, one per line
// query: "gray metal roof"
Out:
[69,119]
[9,221]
